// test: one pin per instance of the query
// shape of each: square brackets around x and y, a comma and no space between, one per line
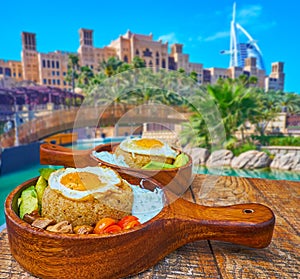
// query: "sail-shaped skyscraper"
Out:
[240,50]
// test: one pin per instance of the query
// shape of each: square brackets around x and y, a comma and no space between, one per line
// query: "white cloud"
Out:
[251,16]
[170,38]
[248,14]
[217,35]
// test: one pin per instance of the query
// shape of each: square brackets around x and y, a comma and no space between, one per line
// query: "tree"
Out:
[73,66]
[194,76]
[110,66]
[236,105]
[181,70]
[288,102]
[138,62]
[253,80]
[85,76]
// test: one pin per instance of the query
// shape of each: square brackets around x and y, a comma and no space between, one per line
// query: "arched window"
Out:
[147,53]
[157,54]
[163,63]
[126,58]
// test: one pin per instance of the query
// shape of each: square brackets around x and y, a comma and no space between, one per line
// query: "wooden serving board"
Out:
[214,259]
[51,255]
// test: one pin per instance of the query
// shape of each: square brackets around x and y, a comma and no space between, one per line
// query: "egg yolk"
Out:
[149,143]
[81,181]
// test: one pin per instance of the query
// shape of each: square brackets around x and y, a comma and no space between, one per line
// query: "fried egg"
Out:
[148,146]
[83,183]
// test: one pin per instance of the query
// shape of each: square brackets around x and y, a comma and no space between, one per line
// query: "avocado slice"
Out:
[154,165]
[40,186]
[181,160]
[45,172]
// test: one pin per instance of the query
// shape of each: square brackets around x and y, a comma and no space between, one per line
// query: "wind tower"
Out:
[239,51]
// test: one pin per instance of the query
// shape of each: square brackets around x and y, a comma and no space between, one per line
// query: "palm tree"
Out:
[110,66]
[181,70]
[73,65]
[85,76]
[236,105]
[138,62]
[194,76]
[253,80]
[289,102]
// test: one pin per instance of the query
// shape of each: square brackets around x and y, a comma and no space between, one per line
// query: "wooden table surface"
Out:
[214,259]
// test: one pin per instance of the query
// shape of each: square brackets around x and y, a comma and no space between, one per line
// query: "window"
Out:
[58,82]
[57,73]
[1,70]
[54,81]
[53,73]
[150,63]
[163,63]
[49,81]
[65,82]
[147,53]
[137,52]
[157,61]
[126,58]
[64,73]
[157,54]
[44,81]
[57,64]
[48,63]
[53,64]
[7,72]
[44,63]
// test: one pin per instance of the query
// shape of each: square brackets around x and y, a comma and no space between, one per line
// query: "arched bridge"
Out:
[66,119]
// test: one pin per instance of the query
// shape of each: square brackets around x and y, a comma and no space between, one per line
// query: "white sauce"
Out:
[110,158]
[147,204]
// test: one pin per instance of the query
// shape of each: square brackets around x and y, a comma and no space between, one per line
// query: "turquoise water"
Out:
[258,173]
[9,181]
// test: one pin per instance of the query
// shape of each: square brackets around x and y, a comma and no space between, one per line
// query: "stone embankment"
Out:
[289,159]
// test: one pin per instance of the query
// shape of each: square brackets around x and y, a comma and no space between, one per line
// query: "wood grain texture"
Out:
[282,258]
[214,259]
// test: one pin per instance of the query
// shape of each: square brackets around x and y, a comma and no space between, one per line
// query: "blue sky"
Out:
[202,26]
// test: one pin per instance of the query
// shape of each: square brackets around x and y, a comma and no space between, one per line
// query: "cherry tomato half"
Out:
[112,229]
[127,219]
[103,224]
[131,224]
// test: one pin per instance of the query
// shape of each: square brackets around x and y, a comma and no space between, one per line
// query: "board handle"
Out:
[250,224]
[53,154]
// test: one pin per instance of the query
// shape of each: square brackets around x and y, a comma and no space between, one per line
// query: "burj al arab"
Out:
[240,50]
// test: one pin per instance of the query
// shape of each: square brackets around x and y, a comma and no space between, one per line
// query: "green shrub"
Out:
[278,140]
[243,148]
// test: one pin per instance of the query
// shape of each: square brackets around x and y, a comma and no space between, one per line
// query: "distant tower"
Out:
[29,54]
[240,51]
[86,37]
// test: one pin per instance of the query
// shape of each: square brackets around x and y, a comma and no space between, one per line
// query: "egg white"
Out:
[130,146]
[107,176]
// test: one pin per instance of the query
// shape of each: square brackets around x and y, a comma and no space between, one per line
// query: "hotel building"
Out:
[51,68]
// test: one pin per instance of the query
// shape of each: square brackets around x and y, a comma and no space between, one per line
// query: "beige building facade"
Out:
[12,69]
[51,68]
